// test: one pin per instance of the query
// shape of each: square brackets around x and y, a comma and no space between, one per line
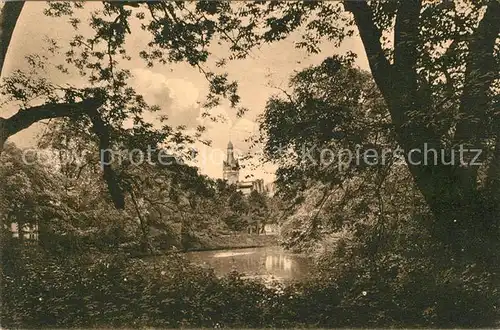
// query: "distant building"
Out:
[231,173]
[270,189]
[246,187]
[28,232]
[271,229]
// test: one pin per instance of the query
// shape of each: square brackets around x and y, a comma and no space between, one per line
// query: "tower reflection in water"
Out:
[279,262]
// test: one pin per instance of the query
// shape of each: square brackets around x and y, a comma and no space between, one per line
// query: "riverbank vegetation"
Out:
[114,290]
[396,244]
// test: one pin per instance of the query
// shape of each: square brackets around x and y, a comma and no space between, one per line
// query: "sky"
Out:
[178,88]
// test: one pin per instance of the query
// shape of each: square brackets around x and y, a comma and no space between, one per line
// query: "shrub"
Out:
[98,290]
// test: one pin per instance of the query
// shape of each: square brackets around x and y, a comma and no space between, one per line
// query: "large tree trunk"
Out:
[8,19]
[465,219]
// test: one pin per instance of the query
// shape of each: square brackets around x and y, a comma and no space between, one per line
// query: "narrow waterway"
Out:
[267,263]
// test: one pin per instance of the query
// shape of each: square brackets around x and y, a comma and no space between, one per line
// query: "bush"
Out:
[103,290]
[405,278]
[97,290]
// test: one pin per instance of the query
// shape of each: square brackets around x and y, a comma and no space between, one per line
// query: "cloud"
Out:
[177,98]
[184,93]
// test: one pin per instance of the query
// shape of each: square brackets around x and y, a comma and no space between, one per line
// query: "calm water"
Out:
[267,263]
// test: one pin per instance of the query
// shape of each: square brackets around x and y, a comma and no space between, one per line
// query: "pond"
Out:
[266,263]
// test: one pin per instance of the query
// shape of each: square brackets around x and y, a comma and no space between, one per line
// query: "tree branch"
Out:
[370,36]
[24,118]
[480,73]
[406,35]
[479,76]
[102,131]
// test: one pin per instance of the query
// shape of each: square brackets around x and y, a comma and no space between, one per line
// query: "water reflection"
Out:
[278,262]
[267,263]
[230,254]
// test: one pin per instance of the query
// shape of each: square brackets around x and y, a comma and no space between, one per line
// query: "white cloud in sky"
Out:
[179,94]
[184,93]
[179,99]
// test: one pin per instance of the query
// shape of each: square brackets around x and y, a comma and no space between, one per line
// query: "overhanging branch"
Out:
[24,118]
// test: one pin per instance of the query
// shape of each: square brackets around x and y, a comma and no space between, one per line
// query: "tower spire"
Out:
[230,167]
[230,153]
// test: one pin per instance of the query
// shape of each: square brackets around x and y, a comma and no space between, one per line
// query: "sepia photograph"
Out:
[250,164]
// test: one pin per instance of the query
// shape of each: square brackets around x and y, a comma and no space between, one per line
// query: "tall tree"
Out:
[330,135]
[412,86]
[438,75]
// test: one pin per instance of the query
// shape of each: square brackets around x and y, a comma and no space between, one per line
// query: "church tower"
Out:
[231,167]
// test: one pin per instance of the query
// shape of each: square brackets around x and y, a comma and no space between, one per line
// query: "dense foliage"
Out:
[398,244]
[96,290]
[366,219]
[170,206]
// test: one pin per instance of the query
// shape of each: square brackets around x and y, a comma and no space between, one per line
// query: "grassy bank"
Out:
[236,241]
